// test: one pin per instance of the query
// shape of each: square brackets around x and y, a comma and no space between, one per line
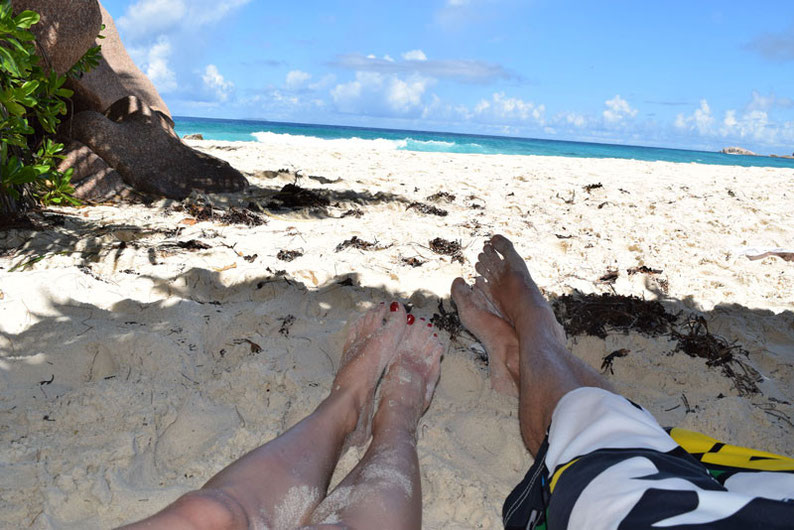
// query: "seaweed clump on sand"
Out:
[360,244]
[592,314]
[294,197]
[448,248]
[413,261]
[427,209]
[288,255]
[203,211]
[697,341]
[449,321]
[441,196]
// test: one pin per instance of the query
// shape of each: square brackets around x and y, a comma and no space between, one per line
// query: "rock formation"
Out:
[141,145]
[737,151]
[114,78]
[66,30]
[93,178]
[121,130]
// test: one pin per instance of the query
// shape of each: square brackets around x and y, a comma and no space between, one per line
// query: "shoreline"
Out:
[146,318]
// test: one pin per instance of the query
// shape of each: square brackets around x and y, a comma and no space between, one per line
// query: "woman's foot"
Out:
[372,342]
[408,386]
[498,337]
[507,284]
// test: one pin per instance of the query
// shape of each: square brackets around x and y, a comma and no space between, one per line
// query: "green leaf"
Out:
[15,108]
[26,19]
[8,63]
[29,87]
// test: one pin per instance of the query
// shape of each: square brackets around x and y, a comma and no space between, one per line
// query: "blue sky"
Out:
[699,75]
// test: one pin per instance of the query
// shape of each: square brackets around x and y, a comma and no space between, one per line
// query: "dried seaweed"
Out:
[697,341]
[353,212]
[426,209]
[591,187]
[610,277]
[592,314]
[441,196]
[294,197]
[286,324]
[448,248]
[288,255]
[360,244]
[449,321]
[642,269]
[193,244]
[412,261]
[232,216]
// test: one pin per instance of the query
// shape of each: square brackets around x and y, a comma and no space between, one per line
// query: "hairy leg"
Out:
[279,484]
[384,489]
[498,337]
[547,370]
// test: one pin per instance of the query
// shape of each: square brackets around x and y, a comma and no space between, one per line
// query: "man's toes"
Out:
[490,252]
[502,244]
[505,247]
[459,286]
[483,270]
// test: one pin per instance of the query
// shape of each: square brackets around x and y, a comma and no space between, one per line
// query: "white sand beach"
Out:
[142,350]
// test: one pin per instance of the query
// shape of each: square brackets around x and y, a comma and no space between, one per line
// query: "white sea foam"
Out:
[341,143]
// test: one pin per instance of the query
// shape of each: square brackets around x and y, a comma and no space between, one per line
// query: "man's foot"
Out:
[407,388]
[372,342]
[480,317]
[507,284]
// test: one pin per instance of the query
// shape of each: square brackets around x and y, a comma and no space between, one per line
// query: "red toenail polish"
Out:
[394,306]
[411,319]
[429,325]
[422,319]
[435,334]
[382,303]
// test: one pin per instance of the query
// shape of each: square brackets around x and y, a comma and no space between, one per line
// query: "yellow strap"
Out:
[557,474]
[730,455]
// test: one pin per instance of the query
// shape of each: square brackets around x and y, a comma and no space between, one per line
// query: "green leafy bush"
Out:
[32,100]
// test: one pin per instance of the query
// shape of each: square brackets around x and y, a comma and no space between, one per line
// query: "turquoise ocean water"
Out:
[249,131]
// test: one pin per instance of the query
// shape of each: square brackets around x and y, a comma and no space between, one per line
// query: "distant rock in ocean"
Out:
[195,136]
[737,151]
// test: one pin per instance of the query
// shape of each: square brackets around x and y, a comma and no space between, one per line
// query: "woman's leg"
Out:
[384,489]
[279,484]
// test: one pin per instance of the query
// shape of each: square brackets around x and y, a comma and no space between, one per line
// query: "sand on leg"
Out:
[384,489]
[547,370]
[279,484]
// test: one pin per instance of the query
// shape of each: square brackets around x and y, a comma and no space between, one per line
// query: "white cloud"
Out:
[617,110]
[573,118]
[297,78]
[771,101]
[323,83]
[506,109]
[162,35]
[701,119]
[404,96]
[467,71]
[457,3]
[154,61]
[414,55]
[151,18]
[215,82]
[377,94]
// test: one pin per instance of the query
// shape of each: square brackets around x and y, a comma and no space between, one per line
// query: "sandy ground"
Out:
[132,369]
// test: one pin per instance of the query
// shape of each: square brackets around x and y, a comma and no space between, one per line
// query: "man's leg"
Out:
[546,369]
[384,489]
[279,484]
